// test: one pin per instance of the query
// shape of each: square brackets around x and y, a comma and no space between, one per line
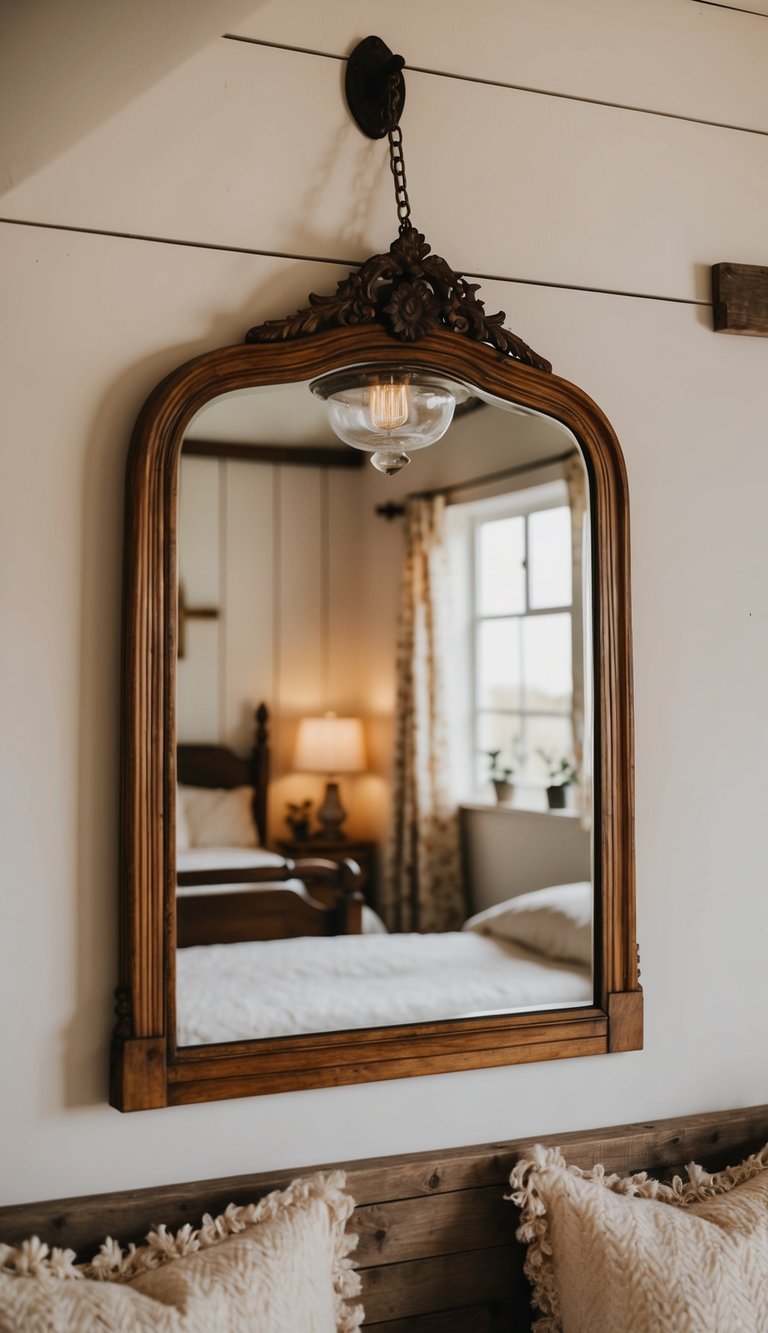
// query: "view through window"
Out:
[514,632]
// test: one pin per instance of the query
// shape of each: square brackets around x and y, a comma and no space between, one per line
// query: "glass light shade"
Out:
[388,410]
[330,744]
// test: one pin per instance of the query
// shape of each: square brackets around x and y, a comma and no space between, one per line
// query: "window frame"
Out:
[505,504]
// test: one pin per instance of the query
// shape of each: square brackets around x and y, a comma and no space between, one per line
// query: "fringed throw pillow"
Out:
[610,1254]
[277,1266]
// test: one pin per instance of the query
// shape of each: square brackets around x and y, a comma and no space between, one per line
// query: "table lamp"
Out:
[331,745]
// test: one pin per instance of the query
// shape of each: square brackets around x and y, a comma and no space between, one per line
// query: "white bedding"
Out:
[235,992]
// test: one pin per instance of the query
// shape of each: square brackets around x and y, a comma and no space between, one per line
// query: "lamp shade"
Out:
[330,744]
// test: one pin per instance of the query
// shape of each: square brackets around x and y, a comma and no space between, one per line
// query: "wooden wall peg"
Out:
[740,299]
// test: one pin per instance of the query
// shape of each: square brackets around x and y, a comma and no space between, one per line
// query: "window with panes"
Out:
[521,631]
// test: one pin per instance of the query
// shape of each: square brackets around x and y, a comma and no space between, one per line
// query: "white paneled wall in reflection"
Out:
[267,555]
[270,604]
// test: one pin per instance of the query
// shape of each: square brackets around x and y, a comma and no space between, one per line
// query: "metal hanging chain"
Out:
[396,159]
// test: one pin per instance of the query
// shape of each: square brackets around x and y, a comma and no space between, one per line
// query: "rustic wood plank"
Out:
[441,1224]
[740,299]
[82,1222]
[447,1282]
[515,1316]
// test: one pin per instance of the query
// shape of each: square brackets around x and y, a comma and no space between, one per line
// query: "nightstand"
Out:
[362,852]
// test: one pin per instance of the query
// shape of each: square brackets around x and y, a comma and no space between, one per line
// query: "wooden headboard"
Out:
[217,766]
[437,1247]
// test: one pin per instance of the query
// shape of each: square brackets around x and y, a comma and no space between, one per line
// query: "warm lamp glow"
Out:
[330,744]
[388,406]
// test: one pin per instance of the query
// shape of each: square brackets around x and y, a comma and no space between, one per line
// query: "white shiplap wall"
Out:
[277,551]
[171,133]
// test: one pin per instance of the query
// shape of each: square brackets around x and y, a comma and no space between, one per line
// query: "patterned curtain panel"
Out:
[423,883]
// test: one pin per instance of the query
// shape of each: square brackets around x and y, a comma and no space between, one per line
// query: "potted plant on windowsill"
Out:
[501,778]
[561,773]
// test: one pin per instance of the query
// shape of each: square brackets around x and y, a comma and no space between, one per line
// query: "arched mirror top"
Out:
[183,393]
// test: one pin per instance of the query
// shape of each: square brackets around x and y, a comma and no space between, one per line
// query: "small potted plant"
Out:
[297,819]
[561,772]
[501,778]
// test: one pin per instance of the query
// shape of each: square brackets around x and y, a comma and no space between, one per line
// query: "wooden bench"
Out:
[437,1248]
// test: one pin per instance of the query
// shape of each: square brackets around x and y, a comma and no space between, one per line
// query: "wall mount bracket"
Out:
[370,68]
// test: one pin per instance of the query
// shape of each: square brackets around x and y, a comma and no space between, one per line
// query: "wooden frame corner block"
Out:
[138,1074]
[625,1020]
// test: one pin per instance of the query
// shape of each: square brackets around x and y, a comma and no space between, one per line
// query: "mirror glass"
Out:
[423,648]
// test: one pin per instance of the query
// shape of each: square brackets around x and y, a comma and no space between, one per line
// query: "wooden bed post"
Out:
[260,763]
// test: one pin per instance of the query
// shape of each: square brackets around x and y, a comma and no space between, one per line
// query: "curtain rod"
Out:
[393,510]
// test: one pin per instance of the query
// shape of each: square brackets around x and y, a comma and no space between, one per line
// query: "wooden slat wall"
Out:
[608,229]
[437,1248]
[623,52]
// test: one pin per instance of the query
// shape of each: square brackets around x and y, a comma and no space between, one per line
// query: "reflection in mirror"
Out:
[404,833]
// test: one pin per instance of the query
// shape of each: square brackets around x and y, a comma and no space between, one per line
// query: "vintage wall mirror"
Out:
[426,667]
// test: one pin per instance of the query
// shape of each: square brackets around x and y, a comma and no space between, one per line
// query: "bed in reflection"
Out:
[270,947]
[531,952]
[230,887]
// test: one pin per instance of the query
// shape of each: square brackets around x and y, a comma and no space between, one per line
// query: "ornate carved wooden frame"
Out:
[148,1070]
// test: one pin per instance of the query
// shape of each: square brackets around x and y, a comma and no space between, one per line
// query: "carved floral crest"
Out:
[412,293]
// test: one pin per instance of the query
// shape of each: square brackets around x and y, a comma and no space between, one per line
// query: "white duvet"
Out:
[278,988]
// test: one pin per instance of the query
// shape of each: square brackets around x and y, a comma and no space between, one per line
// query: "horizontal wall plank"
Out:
[572,193]
[496,1317]
[625,52]
[438,1224]
[743,6]
[399,1291]
[82,1222]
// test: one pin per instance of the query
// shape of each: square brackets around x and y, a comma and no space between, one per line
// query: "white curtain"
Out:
[422,882]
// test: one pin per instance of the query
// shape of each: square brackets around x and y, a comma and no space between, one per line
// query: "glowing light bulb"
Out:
[388,406]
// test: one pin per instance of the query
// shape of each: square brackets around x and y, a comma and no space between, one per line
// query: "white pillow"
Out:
[556,921]
[613,1253]
[278,1266]
[219,817]
[372,922]
[182,827]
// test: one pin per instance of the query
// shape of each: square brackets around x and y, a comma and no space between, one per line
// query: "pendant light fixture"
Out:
[391,410]
[386,411]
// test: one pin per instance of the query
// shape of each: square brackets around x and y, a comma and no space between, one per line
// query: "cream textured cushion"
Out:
[612,1254]
[279,1266]
[555,921]
[219,816]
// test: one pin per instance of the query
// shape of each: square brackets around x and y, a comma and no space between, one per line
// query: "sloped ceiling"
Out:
[66,67]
